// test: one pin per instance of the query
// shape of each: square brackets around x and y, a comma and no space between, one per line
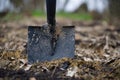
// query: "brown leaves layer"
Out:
[97,54]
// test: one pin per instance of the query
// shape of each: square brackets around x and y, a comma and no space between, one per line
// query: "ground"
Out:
[97,53]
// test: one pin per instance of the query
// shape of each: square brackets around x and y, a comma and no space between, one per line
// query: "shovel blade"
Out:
[39,46]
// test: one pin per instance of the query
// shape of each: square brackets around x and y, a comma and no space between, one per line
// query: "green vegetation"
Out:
[75,16]
[11,16]
[38,13]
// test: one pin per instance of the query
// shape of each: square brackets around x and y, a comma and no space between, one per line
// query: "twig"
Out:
[54,71]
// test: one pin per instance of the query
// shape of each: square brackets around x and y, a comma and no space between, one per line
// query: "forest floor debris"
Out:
[97,54]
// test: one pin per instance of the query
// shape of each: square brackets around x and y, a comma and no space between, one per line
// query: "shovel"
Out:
[44,44]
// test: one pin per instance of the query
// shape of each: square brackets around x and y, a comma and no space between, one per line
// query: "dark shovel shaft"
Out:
[51,11]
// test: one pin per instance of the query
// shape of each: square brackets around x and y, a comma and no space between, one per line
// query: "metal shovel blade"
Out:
[39,46]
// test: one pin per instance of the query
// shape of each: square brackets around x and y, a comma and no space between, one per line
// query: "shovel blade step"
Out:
[39,46]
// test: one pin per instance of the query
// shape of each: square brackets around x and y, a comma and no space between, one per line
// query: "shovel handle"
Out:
[51,12]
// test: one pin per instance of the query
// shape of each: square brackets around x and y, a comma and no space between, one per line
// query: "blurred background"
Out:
[108,10]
